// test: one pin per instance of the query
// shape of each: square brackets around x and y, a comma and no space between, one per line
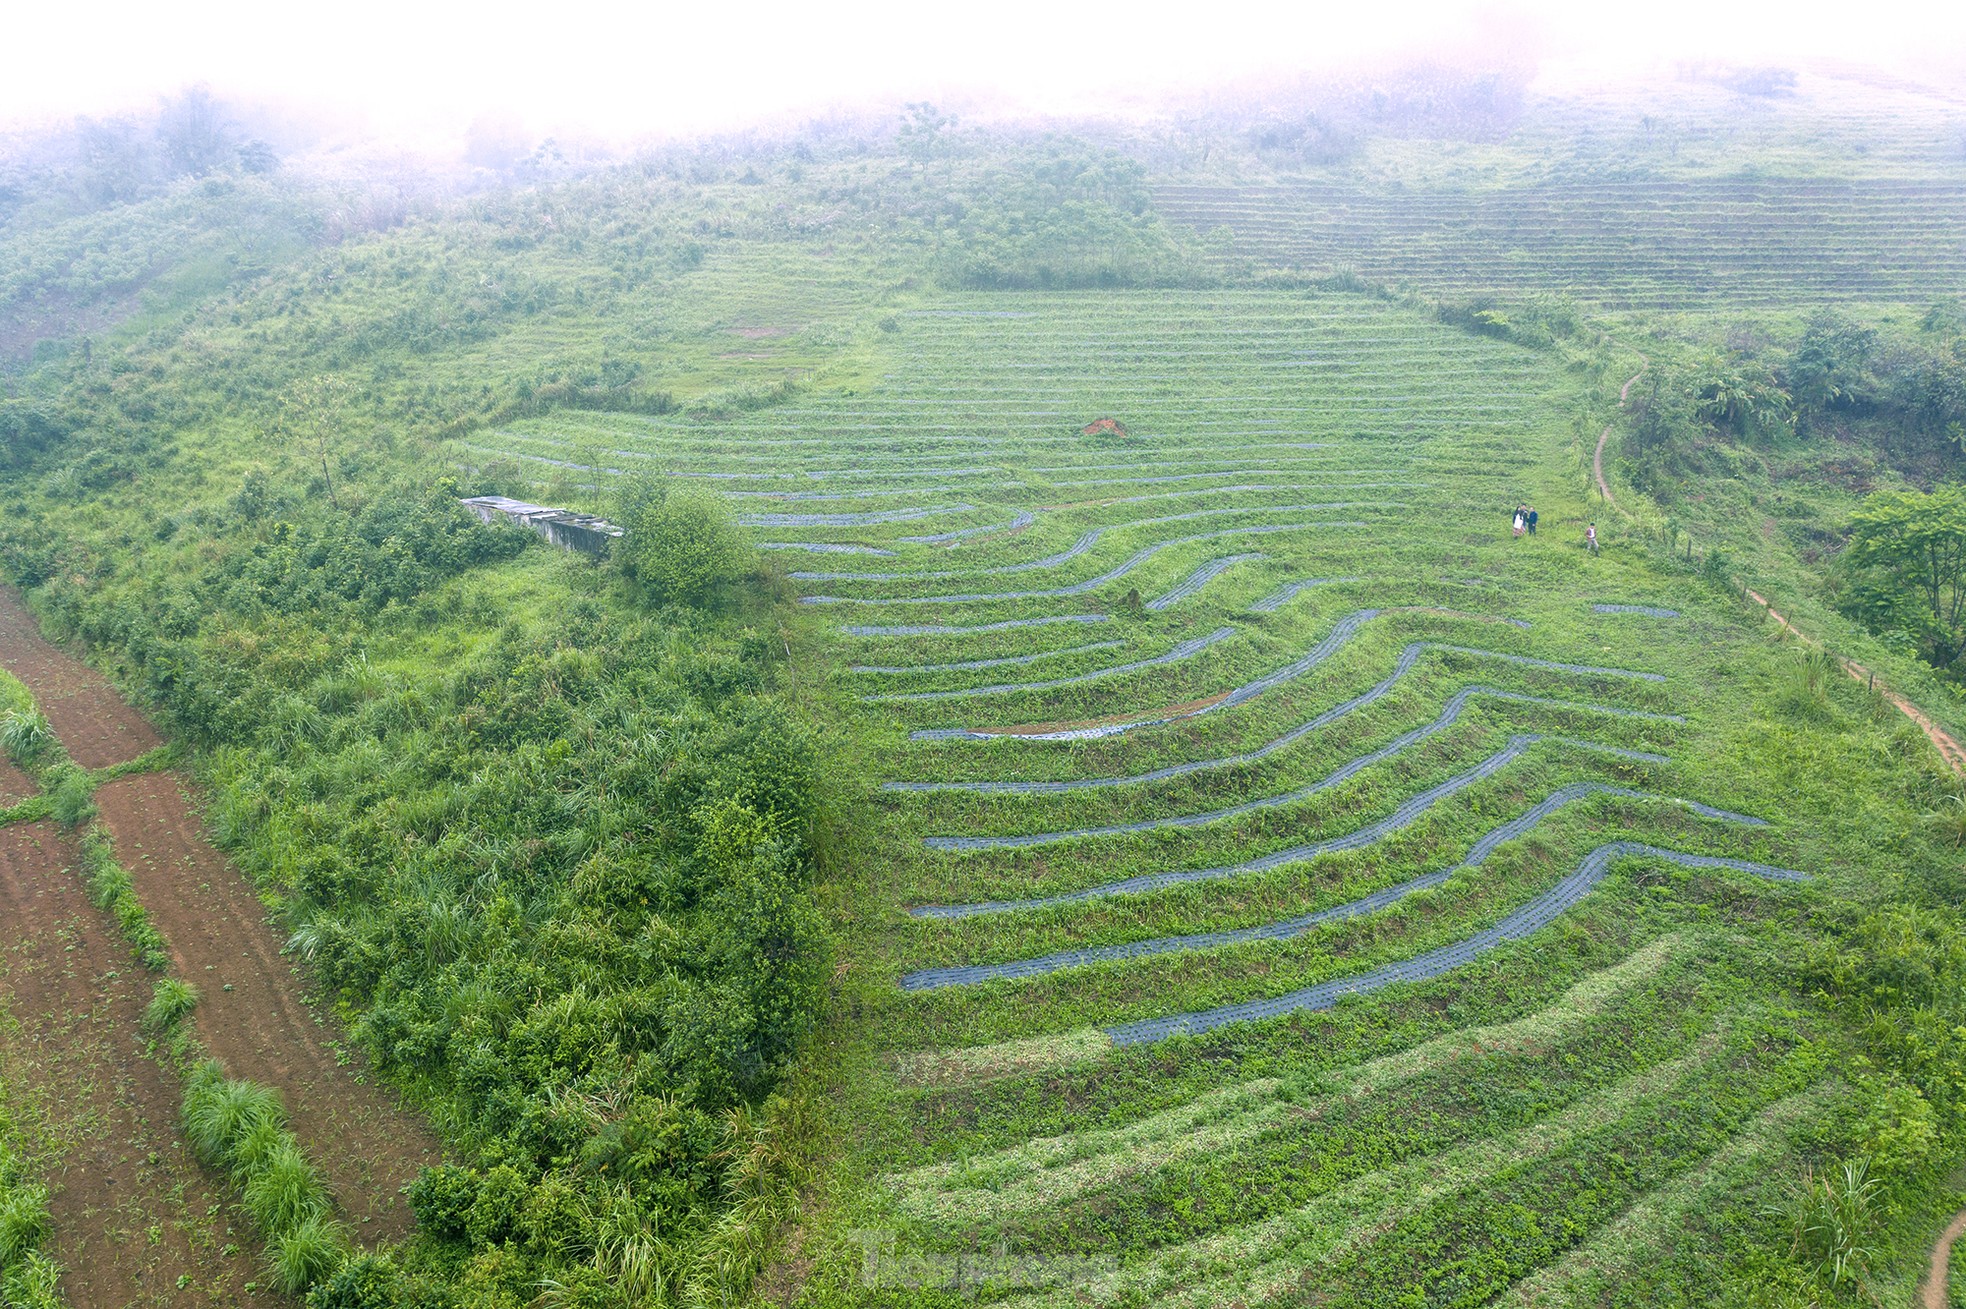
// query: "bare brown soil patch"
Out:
[128,1200]
[15,786]
[250,1012]
[761,333]
[96,727]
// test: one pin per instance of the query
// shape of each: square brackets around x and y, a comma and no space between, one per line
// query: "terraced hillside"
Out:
[1283,883]
[1662,243]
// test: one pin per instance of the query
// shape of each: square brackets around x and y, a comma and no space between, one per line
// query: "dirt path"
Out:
[1932,1291]
[1949,749]
[129,1202]
[1597,459]
[251,1015]
[95,725]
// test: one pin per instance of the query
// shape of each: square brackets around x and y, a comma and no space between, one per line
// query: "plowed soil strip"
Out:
[95,725]
[251,1014]
[129,1203]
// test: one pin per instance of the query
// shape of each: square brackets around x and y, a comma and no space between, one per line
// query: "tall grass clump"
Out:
[240,1126]
[1836,1223]
[111,889]
[29,1279]
[71,795]
[25,735]
[281,1189]
[306,1253]
[221,1112]
[170,1004]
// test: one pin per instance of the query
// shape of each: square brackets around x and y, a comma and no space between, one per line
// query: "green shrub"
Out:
[682,543]
[304,1254]
[442,1199]
[500,1205]
[366,1281]
[170,1004]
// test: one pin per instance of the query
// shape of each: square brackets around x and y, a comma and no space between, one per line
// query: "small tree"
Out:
[314,417]
[682,543]
[1917,543]
[921,131]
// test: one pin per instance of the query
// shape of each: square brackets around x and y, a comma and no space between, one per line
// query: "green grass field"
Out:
[1611,1099]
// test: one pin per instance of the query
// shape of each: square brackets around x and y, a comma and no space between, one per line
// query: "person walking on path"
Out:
[1532,520]
[1590,537]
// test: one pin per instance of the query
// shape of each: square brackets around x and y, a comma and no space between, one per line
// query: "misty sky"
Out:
[615,69]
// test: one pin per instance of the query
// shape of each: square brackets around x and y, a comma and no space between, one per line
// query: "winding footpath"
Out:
[1597,459]
[1932,1293]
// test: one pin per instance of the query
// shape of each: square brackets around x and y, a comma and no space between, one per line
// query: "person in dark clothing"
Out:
[1532,521]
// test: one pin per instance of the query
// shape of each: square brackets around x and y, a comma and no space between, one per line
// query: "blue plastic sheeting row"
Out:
[947,629]
[1077,588]
[1005,661]
[1516,745]
[1448,714]
[1289,591]
[824,548]
[1196,580]
[1407,813]
[1650,611]
[1185,650]
[1435,963]
[929,979]
[849,520]
[1089,539]
[1341,634]
[1023,519]
[806,497]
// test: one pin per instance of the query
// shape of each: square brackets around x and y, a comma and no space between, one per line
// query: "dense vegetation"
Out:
[591,860]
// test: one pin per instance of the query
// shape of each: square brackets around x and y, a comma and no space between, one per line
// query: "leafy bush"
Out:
[681,543]
[366,1281]
[442,1198]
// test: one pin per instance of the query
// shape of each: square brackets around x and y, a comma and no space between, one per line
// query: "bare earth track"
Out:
[129,1202]
[250,1013]
[94,723]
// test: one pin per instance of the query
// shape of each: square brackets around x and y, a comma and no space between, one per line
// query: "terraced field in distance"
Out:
[1659,244]
[1280,882]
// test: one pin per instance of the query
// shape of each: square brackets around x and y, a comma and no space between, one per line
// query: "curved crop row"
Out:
[1435,963]
[934,978]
